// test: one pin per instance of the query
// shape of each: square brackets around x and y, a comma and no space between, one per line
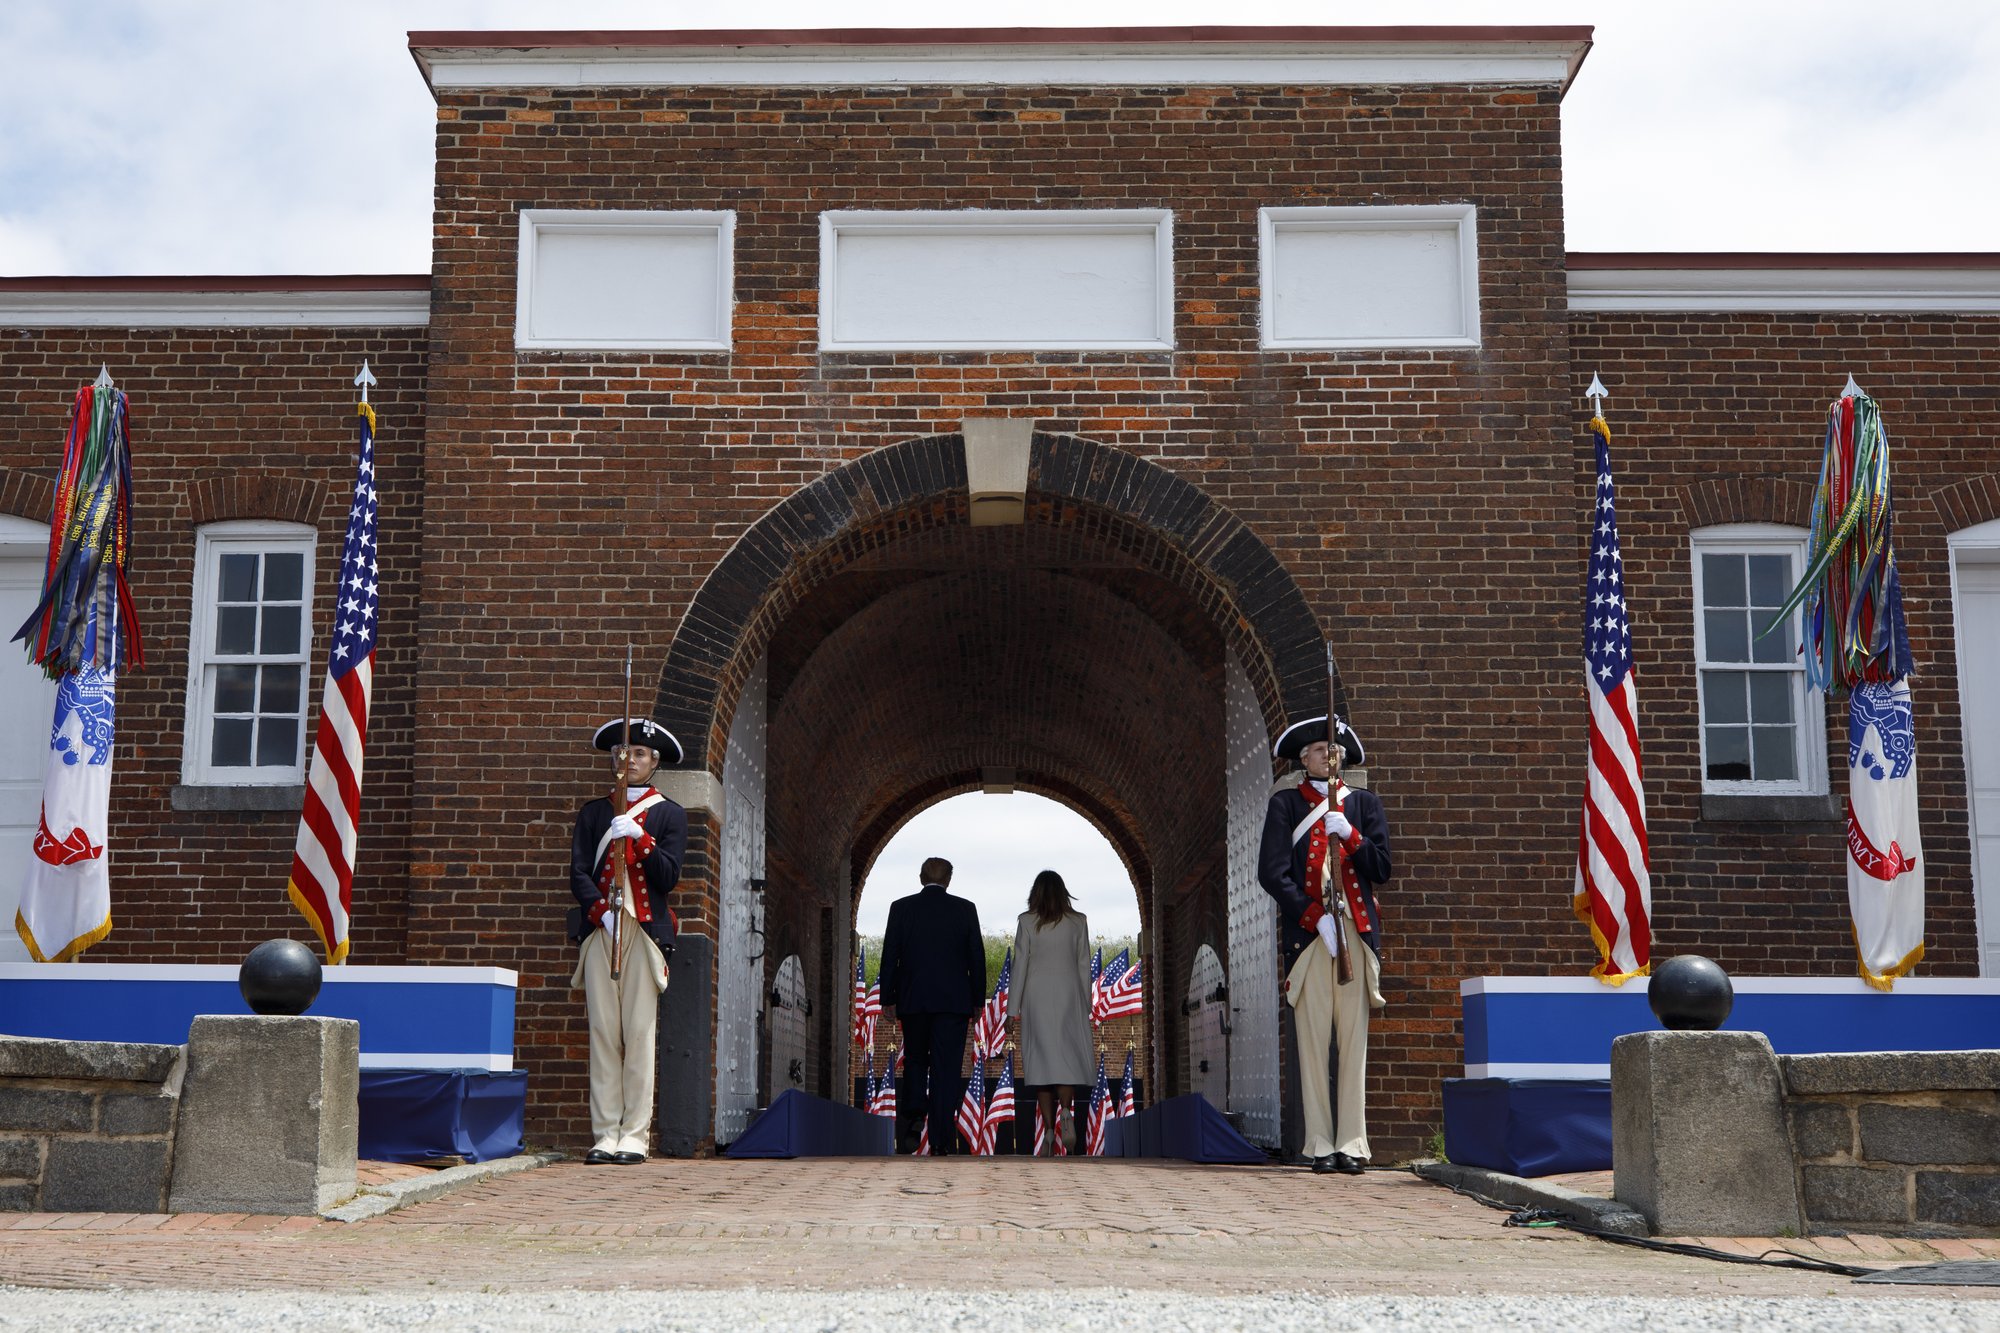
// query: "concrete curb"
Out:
[380,1199]
[1587,1209]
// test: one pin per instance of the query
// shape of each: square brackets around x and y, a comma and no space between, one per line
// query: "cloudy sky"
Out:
[244,136]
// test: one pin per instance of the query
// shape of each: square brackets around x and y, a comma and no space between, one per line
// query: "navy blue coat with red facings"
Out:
[1281,864]
[666,822]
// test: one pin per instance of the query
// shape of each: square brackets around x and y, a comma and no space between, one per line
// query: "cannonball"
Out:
[279,977]
[1689,993]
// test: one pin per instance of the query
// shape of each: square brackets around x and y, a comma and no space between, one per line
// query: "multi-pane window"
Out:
[250,637]
[1761,729]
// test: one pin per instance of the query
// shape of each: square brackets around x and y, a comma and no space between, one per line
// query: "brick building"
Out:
[935,408]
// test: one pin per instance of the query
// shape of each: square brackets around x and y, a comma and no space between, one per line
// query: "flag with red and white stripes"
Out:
[1614,891]
[971,1119]
[1100,1112]
[867,1004]
[322,881]
[1000,1110]
[989,1030]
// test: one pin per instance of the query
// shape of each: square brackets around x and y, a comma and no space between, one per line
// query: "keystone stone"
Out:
[106,1176]
[45,1109]
[1821,1129]
[1961,1198]
[1855,1194]
[1930,1135]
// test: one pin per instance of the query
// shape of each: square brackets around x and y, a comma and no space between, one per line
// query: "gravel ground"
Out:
[917,1311]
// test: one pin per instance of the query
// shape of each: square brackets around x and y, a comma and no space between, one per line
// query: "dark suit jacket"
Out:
[1281,863]
[933,960]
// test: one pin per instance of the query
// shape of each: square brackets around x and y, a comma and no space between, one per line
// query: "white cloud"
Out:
[997,845]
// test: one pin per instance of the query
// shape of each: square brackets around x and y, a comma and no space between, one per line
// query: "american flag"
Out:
[322,879]
[1613,885]
[923,1141]
[1043,1131]
[989,1032]
[1096,977]
[1126,1104]
[1100,995]
[867,1004]
[1100,1111]
[1001,1109]
[1125,993]
[884,1100]
[971,1119]
[871,1087]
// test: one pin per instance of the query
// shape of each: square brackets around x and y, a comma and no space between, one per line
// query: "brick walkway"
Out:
[874,1223]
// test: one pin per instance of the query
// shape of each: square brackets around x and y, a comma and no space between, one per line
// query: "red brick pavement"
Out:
[955,1223]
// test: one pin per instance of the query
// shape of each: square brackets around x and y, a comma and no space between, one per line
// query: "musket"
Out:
[1334,891]
[621,883]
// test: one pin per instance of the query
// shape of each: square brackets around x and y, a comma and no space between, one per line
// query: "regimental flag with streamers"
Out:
[971,1119]
[989,1031]
[1614,886]
[867,1004]
[1127,1104]
[322,882]
[1100,1111]
[1856,641]
[1000,1110]
[82,627]
[1100,991]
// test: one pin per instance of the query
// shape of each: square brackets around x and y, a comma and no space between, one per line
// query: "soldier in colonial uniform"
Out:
[1325,848]
[621,992]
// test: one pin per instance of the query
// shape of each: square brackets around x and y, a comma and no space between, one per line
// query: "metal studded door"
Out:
[739,948]
[789,1020]
[1254,1089]
[1208,1028]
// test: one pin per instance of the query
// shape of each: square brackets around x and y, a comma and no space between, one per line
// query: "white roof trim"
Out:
[1026,65]
[215,310]
[1961,291]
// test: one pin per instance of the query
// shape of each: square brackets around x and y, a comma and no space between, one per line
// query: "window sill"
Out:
[1772,809]
[211,799]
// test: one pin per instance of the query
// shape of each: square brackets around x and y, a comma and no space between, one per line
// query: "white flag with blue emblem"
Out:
[1885,862]
[66,896]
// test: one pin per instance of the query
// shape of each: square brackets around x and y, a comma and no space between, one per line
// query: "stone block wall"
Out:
[87,1126]
[1894,1142]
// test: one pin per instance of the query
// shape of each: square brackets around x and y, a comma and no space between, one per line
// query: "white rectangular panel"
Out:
[620,279]
[983,280]
[1390,276]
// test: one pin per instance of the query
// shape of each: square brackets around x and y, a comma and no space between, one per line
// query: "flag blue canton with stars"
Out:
[356,600]
[1607,627]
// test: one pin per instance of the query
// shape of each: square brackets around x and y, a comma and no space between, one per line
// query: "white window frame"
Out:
[835,224]
[1462,219]
[211,542]
[1808,704]
[719,224]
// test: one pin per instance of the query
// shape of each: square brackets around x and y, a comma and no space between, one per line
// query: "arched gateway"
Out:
[1123,644]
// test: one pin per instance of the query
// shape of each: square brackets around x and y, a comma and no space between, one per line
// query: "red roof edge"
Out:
[261,282]
[1791,259]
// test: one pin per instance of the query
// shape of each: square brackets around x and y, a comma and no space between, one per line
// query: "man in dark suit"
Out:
[933,979]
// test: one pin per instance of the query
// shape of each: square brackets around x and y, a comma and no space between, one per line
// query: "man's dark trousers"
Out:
[933,1045]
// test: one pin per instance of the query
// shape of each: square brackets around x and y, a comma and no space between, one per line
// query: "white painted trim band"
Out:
[1742,986]
[1961,291]
[491,1064]
[1537,1071]
[332,976]
[1372,64]
[214,310]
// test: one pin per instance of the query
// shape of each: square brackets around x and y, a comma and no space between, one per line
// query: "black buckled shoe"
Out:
[599,1157]
[1347,1166]
[1322,1166]
[628,1158]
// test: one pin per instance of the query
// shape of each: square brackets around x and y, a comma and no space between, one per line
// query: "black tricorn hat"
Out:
[646,732]
[1301,734]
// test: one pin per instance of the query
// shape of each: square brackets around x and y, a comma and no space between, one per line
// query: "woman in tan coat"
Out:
[1051,994]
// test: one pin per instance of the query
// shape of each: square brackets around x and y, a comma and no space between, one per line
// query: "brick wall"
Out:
[225,424]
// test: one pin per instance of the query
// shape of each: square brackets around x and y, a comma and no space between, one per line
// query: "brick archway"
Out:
[901,491]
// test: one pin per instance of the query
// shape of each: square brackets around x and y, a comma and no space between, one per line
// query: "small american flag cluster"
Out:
[867,1004]
[1116,989]
[989,1031]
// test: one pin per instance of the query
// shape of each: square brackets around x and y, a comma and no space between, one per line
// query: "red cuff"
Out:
[1309,920]
[643,844]
[1353,841]
[597,911]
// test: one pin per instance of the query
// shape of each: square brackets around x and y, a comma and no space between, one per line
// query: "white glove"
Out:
[1337,825]
[624,826]
[1329,934]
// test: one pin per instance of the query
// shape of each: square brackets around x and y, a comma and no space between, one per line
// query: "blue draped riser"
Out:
[437,1043]
[1536,1096]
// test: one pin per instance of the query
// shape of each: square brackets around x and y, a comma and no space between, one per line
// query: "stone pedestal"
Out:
[1698,1141]
[269,1115]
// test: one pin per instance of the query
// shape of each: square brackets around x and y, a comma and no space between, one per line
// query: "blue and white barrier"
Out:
[411,1017]
[1562,1027]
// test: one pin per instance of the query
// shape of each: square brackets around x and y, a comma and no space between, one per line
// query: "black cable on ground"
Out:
[1545,1217]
